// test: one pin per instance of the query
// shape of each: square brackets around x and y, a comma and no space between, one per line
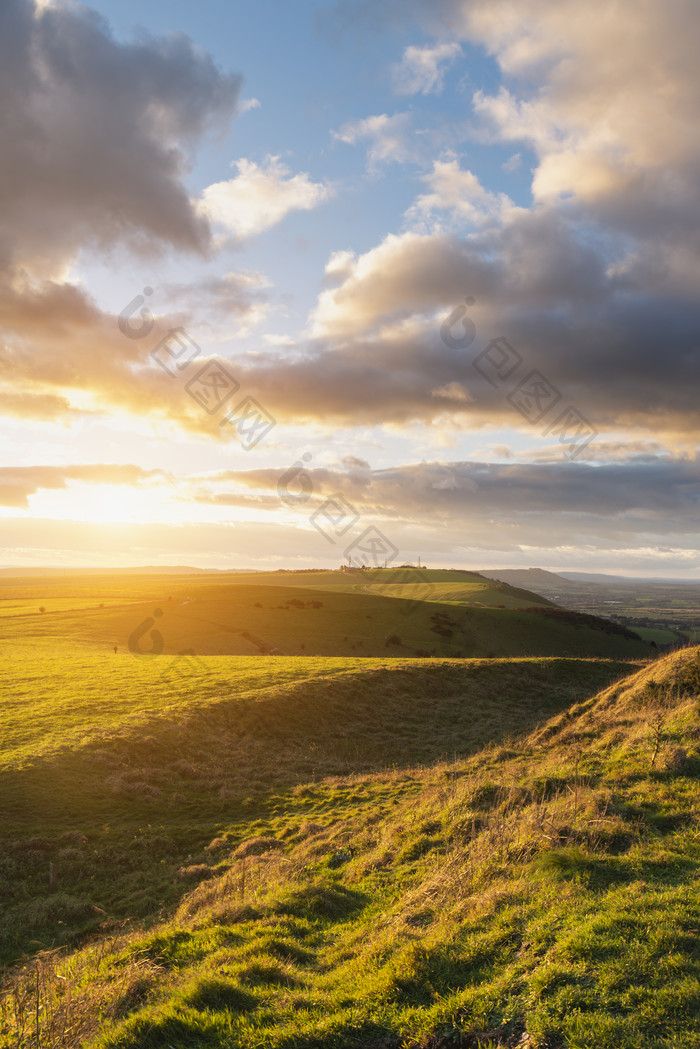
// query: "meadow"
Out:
[341,850]
[376,612]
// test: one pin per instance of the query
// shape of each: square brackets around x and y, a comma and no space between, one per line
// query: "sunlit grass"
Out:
[542,890]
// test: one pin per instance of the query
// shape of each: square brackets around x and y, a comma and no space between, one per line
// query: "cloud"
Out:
[61,351]
[78,109]
[387,137]
[657,488]
[403,275]
[422,69]
[214,302]
[98,139]
[459,193]
[624,358]
[512,163]
[614,113]
[638,512]
[533,261]
[260,196]
[17,483]
[650,501]
[596,283]
[610,106]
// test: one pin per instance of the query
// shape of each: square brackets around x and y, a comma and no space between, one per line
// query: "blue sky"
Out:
[310,80]
[310,190]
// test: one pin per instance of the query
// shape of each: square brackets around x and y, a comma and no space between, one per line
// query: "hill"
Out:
[139,756]
[331,614]
[538,578]
[538,890]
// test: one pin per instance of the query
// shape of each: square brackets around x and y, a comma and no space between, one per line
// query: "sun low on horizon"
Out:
[277,277]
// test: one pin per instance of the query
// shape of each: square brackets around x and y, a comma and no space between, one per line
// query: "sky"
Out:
[286,285]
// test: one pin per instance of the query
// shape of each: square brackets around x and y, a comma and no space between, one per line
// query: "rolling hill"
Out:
[367,854]
[539,578]
[444,614]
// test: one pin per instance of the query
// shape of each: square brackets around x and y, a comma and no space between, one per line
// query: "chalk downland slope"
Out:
[369,614]
[540,891]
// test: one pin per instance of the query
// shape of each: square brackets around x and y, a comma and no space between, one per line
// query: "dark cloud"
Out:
[17,483]
[657,489]
[596,283]
[216,300]
[96,135]
[97,140]
[544,513]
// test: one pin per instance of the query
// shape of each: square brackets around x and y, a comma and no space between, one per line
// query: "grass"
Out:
[121,782]
[446,616]
[332,852]
[435,585]
[541,890]
[657,634]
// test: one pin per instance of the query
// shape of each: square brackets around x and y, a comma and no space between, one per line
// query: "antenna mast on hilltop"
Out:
[419,560]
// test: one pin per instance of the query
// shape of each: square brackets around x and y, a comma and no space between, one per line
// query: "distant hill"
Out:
[528,578]
[447,586]
[599,577]
[19,572]
[425,613]
[540,577]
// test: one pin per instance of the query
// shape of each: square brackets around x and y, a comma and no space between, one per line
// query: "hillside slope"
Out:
[369,613]
[535,578]
[541,892]
[139,757]
[455,586]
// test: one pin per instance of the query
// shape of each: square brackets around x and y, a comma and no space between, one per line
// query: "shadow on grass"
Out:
[150,798]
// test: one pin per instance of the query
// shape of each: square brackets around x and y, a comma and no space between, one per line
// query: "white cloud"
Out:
[387,137]
[278,340]
[248,103]
[260,196]
[339,266]
[422,69]
[615,104]
[458,192]
[512,163]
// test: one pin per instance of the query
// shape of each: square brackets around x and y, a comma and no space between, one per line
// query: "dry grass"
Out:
[464,896]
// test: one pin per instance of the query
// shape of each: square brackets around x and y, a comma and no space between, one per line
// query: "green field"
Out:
[314,614]
[665,612]
[660,636]
[339,850]
[447,586]
[87,748]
